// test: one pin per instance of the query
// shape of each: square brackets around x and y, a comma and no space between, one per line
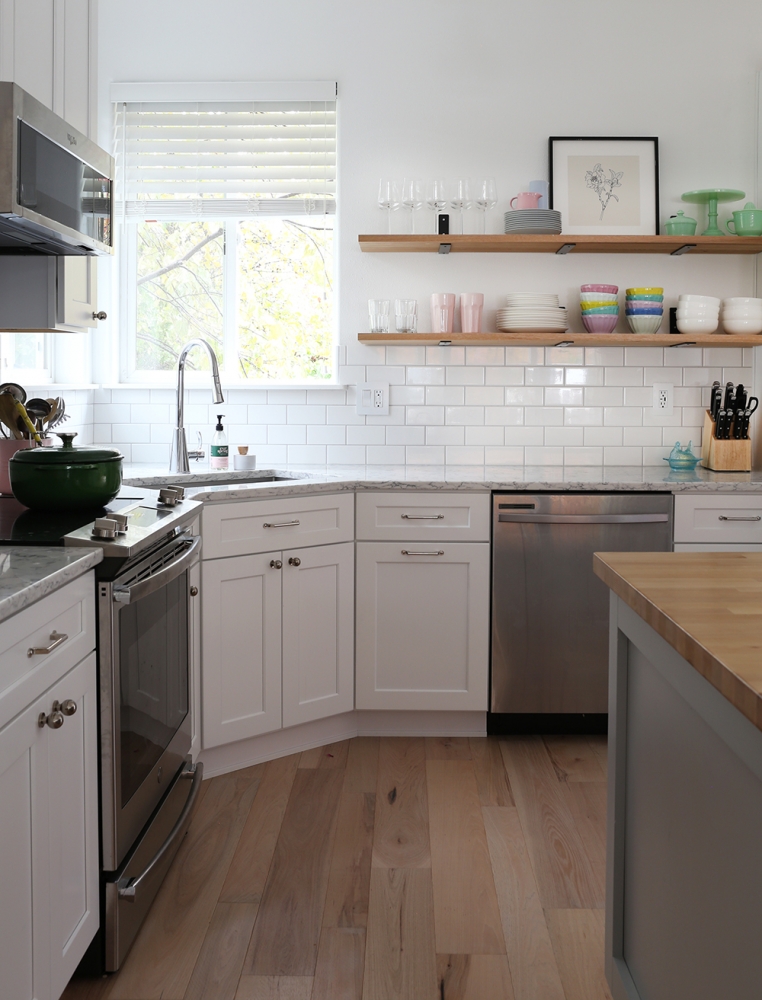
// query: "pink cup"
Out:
[442,312]
[8,448]
[527,199]
[471,305]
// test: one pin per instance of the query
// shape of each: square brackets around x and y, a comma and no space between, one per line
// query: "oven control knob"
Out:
[121,522]
[194,591]
[104,527]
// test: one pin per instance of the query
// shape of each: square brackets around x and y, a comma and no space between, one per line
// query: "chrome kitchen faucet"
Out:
[178,460]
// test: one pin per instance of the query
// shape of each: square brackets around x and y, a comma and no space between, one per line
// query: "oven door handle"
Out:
[129,595]
[128,888]
[584,518]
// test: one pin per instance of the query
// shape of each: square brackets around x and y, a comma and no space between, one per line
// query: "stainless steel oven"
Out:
[145,729]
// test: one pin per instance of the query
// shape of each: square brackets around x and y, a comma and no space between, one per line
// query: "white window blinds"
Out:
[184,159]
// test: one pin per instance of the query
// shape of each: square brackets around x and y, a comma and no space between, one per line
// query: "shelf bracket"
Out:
[566,248]
[683,343]
[445,343]
[683,249]
[564,343]
[445,247]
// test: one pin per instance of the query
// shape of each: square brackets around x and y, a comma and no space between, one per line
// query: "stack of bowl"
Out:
[644,308]
[741,315]
[698,314]
[600,307]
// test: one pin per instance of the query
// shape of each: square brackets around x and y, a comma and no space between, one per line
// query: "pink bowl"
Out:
[611,289]
[599,324]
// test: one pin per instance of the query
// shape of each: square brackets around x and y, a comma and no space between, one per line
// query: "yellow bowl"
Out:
[645,291]
[596,304]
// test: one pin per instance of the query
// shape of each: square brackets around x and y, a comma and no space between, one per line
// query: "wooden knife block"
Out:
[721,455]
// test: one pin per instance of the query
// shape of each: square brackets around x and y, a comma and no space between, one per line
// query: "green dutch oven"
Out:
[66,478]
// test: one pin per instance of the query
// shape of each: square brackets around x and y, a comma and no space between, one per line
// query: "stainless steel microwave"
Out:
[56,185]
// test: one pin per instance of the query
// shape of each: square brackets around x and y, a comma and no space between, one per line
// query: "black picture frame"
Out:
[646,147]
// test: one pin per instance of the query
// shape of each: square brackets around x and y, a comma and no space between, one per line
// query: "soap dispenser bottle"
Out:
[219,458]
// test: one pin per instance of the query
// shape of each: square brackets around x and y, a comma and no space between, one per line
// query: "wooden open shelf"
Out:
[553,244]
[533,339]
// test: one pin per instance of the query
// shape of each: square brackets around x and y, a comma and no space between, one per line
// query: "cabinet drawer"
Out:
[451,517]
[249,526]
[69,611]
[719,518]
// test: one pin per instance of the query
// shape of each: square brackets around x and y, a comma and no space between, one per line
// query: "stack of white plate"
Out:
[533,221]
[526,311]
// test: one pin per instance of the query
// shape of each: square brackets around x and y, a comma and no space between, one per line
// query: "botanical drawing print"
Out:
[603,185]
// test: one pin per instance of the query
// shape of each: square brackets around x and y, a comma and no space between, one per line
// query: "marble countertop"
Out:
[202,484]
[707,606]
[28,573]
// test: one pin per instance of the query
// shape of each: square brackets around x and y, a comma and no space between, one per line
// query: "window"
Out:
[24,358]
[225,231]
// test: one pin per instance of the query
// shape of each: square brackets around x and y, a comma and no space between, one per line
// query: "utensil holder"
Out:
[721,454]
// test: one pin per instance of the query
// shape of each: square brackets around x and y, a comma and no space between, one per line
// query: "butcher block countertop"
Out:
[707,606]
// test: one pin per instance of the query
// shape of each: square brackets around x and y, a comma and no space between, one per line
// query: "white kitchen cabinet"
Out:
[422,638]
[318,632]
[710,521]
[49,837]
[414,516]
[57,294]
[241,647]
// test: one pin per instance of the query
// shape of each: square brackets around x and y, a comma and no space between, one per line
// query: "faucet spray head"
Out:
[218,397]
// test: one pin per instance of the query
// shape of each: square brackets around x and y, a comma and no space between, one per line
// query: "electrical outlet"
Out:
[663,401]
[373,399]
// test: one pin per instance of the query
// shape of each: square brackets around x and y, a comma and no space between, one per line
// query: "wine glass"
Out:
[460,198]
[412,197]
[436,198]
[486,198]
[388,199]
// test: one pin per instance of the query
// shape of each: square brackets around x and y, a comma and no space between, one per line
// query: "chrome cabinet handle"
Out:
[280,524]
[194,591]
[100,315]
[68,707]
[55,720]
[56,638]
[410,552]
[276,564]
[422,517]
[295,561]
[724,517]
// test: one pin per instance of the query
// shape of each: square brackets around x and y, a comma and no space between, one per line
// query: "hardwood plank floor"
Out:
[385,869]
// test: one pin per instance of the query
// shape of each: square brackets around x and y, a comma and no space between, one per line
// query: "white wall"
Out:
[449,87]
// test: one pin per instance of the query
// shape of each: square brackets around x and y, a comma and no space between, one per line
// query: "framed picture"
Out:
[605,185]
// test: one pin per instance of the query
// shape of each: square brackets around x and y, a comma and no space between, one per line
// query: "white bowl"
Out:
[644,324]
[597,297]
[740,301]
[699,307]
[697,313]
[704,300]
[753,314]
[695,324]
[742,325]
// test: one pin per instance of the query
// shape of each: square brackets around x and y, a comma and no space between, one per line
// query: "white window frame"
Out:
[124,290]
[27,376]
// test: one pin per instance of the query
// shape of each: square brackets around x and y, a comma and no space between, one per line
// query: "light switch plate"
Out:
[373,399]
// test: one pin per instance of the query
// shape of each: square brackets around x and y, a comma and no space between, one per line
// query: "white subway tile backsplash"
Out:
[544,376]
[524,435]
[583,456]
[424,415]
[604,356]
[737,375]
[364,354]
[335,395]
[622,416]
[596,395]
[102,433]
[525,396]
[425,455]
[504,376]
[464,415]
[445,395]
[405,355]
[686,357]
[504,415]
[447,435]
[642,436]
[309,413]
[307,454]
[564,396]
[663,374]
[326,434]
[406,435]
[407,395]
[564,355]
[544,416]
[525,355]
[294,396]
[137,396]
[396,415]
[133,433]
[714,356]
[242,434]
[701,376]
[584,376]
[692,416]
[345,454]
[600,436]
[433,375]
[544,456]
[385,373]
[623,456]
[464,456]
[484,395]
[623,376]
[343,415]
[485,356]
[351,374]
[504,456]
[656,456]
[445,355]
[234,413]
[149,453]
[286,434]
[642,356]
[267,413]
[366,435]
[245,396]
[385,455]
[271,455]
[564,435]
[111,413]
[652,418]
[638,395]
[492,435]
[456,375]
[580,416]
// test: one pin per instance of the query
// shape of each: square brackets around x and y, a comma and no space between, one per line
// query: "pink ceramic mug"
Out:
[442,312]
[527,199]
[471,305]
[8,448]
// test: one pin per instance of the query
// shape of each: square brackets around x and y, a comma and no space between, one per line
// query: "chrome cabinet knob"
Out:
[68,707]
[194,591]
[55,720]
[100,315]
[295,561]
[276,564]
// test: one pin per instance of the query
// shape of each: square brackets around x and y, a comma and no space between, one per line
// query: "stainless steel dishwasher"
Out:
[550,611]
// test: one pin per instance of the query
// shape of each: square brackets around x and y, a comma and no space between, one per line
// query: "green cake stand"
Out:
[712,198]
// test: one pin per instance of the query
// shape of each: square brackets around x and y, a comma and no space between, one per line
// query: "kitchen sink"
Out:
[246,480]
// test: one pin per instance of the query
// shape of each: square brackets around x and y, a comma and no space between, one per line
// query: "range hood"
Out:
[55,183]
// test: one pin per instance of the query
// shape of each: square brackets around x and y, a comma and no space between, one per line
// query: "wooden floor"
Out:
[377,869]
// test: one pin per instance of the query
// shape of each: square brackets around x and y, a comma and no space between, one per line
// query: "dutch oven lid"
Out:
[67,454]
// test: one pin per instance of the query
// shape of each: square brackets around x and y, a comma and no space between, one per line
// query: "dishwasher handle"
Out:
[584,518]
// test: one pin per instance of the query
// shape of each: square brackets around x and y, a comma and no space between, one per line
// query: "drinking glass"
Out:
[378,310]
[405,315]
[460,198]
[436,198]
[412,197]
[442,312]
[486,198]
[388,199]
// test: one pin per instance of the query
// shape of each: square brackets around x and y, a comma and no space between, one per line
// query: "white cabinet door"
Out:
[77,292]
[422,625]
[24,867]
[318,627]
[73,804]
[241,647]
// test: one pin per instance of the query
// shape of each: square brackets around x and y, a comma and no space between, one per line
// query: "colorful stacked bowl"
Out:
[644,308]
[600,307]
